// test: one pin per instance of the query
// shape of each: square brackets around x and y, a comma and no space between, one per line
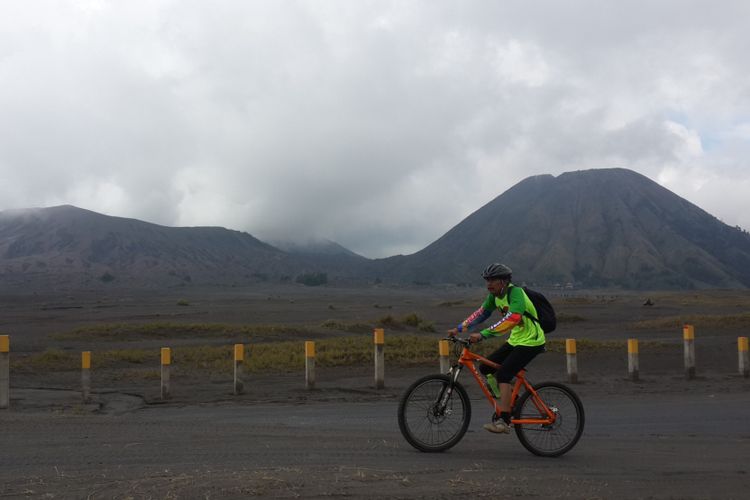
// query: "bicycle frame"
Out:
[468,360]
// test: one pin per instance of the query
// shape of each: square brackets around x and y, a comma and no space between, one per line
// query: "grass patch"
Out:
[341,326]
[165,330]
[412,320]
[451,303]
[273,357]
[56,360]
[50,360]
[123,356]
[139,374]
[714,322]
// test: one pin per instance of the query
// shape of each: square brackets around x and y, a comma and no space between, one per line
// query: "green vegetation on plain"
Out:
[451,303]
[411,320]
[343,326]
[158,330]
[168,330]
[274,357]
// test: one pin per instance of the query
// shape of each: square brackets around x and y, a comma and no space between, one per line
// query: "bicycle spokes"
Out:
[545,435]
[434,413]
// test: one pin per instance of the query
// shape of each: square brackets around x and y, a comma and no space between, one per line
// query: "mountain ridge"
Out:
[602,227]
[590,228]
[74,241]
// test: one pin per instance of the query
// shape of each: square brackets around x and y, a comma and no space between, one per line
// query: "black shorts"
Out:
[511,360]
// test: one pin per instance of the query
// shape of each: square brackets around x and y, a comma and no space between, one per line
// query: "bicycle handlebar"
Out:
[459,340]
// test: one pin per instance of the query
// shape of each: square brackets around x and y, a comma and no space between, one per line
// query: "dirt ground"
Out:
[30,319]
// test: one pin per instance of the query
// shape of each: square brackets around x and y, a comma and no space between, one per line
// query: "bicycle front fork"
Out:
[453,374]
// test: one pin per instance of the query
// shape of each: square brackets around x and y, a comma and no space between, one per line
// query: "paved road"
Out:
[650,446]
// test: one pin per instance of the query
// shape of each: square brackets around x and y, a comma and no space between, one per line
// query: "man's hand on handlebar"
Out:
[475,337]
[472,338]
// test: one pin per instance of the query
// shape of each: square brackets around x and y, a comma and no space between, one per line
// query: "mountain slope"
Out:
[609,227]
[594,228]
[67,243]
[316,247]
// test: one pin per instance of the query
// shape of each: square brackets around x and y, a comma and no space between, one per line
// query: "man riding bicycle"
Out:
[526,338]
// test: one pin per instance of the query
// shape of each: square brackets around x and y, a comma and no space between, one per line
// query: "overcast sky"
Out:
[376,124]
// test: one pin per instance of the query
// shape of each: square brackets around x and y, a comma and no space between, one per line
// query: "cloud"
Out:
[379,125]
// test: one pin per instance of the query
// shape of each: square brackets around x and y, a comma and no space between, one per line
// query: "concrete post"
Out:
[444,351]
[310,365]
[166,361]
[4,371]
[633,359]
[86,376]
[744,360]
[239,358]
[570,350]
[379,338]
[688,336]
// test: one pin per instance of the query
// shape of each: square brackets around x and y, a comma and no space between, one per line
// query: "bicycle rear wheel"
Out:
[555,439]
[434,413]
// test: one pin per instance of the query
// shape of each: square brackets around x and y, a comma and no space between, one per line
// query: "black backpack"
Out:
[547,319]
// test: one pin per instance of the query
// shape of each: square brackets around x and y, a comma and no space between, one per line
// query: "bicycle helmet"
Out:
[497,271]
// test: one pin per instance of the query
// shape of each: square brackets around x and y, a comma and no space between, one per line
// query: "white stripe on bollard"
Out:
[744,359]
[570,351]
[633,359]
[86,376]
[4,371]
[310,365]
[239,358]
[166,361]
[379,340]
[688,337]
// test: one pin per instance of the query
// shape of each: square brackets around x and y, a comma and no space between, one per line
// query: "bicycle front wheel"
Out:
[434,413]
[559,437]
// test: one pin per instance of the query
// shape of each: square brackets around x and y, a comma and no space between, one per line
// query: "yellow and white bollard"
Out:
[744,359]
[444,350]
[86,376]
[379,340]
[4,371]
[166,361]
[310,364]
[570,351]
[239,358]
[633,359]
[688,337]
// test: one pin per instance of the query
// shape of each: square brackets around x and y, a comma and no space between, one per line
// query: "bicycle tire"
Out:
[426,427]
[556,439]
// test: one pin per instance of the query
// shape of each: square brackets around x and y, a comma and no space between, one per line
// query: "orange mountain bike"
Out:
[435,411]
